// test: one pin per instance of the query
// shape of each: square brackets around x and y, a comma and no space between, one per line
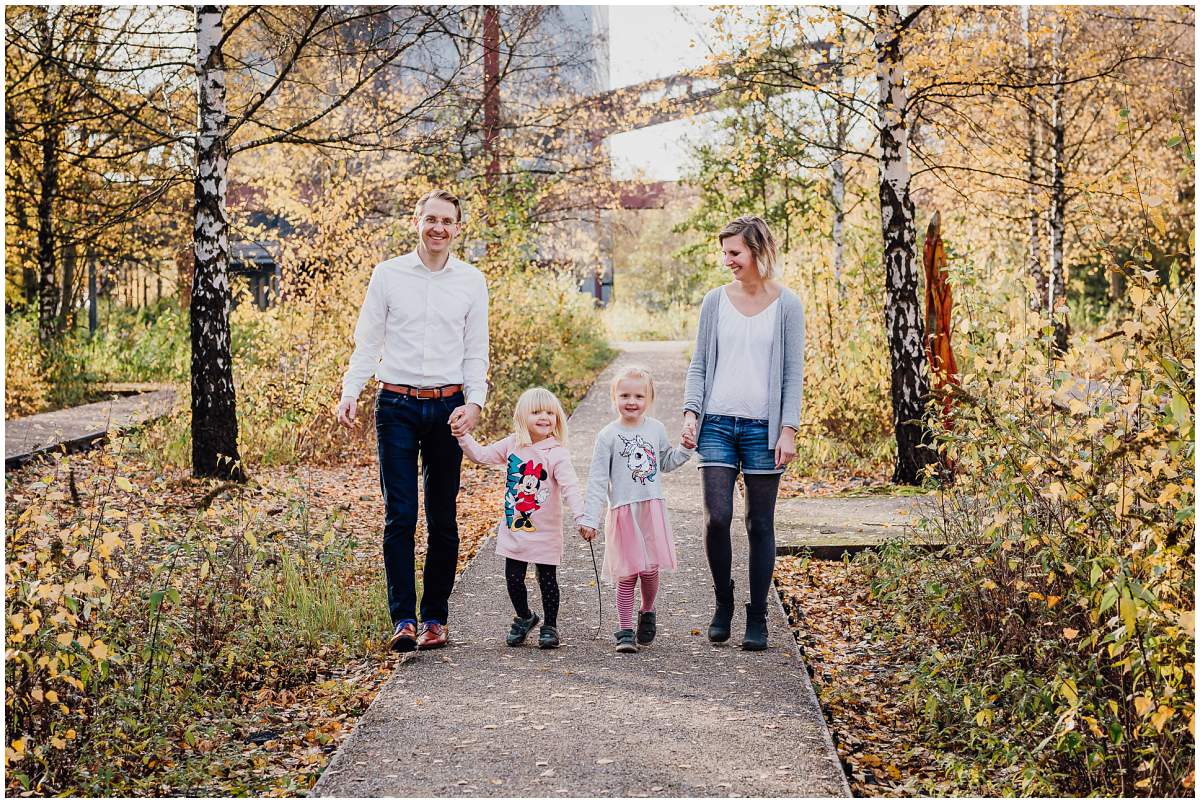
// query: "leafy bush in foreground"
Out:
[1058,624]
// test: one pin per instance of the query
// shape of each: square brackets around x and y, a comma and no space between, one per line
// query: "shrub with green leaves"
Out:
[135,623]
[543,332]
[1057,628]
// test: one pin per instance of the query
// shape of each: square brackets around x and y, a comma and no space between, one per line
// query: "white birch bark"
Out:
[214,412]
[837,192]
[1055,283]
[910,380]
[1033,149]
[837,168]
[47,236]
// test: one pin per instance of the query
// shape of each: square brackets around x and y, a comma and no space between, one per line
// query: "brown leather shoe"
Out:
[404,637]
[433,636]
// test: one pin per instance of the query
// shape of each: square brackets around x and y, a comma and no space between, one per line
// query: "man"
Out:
[423,332]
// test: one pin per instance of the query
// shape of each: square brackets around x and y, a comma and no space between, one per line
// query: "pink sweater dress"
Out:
[536,478]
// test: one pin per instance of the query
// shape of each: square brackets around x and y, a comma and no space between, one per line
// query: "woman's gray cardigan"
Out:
[786,391]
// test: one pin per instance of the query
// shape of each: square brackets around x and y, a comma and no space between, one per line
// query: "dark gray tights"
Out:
[761,491]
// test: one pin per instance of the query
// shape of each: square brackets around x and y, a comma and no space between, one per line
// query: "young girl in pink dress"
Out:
[629,455]
[538,471]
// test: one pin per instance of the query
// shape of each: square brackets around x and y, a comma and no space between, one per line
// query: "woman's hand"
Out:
[687,435]
[586,533]
[785,448]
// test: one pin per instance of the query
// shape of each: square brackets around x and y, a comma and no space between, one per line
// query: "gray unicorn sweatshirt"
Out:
[626,463]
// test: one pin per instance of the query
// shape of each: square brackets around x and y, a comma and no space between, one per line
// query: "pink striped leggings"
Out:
[625,596]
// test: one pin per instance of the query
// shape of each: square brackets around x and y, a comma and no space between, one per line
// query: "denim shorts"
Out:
[740,443]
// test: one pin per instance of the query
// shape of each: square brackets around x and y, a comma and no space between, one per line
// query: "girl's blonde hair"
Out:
[531,401]
[633,372]
[758,238]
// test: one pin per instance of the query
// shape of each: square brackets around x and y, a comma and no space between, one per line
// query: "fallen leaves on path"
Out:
[850,482]
[861,678]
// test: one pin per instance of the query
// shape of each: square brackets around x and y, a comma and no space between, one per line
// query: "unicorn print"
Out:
[639,458]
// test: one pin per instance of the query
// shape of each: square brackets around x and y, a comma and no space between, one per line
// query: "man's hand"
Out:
[785,449]
[463,419]
[687,435]
[586,533]
[347,411]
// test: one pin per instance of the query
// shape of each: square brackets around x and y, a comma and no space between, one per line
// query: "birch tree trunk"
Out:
[214,411]
[837,192]
[910,380]
[66,305]
[1056,283]
[48,294]
[837,169]
[1033,149]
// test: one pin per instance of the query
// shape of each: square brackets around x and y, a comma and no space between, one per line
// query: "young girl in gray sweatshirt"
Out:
[630,453]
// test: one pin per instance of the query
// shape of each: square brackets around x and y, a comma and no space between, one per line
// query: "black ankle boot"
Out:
[718,630]
[756,630]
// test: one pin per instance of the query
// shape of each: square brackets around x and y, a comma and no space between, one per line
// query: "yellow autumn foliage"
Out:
[1067,582]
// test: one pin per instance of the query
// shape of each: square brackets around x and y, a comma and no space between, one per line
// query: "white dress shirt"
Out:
[422,328]
[740,384]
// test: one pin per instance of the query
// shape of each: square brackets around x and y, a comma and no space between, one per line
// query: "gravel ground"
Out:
[680,718]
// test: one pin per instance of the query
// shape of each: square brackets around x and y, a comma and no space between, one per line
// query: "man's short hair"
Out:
[440,195]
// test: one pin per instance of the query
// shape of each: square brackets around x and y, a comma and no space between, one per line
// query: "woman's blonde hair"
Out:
[633,372]
[531,401]
[755,232]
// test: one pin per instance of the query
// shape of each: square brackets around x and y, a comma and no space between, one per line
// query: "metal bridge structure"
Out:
[599,112]
[610,111]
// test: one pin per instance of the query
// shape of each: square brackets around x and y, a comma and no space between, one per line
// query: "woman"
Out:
[742,412]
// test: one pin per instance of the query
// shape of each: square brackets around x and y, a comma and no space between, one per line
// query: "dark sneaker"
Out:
[625,642]
[646,628]
[520,629]
[548,637]
[404,637]
[433,635]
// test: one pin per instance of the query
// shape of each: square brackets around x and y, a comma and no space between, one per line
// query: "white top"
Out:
[740,383]
[626,463]
[422,328]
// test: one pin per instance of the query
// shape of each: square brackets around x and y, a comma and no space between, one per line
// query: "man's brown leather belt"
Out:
[423,393]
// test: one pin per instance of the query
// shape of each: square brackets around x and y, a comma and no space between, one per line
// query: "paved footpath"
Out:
[827,526]
[78,427]
[680,718]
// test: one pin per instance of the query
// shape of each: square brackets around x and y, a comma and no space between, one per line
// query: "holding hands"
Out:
[463,419]
[687,435]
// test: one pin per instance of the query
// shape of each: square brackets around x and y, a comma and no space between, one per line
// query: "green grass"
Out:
[626,321]
[316,606]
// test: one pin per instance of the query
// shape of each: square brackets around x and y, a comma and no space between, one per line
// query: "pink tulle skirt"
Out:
[637,538]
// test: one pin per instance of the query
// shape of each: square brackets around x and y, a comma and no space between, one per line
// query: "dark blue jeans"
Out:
[407,427]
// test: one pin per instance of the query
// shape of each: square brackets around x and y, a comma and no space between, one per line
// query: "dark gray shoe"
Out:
[756,630]
[625,642]
[520,629]
[548,637]
[718,630]
[646,628]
